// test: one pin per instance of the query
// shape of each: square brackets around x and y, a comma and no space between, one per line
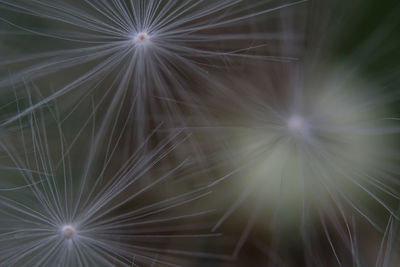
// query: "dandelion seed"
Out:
[312,150]
[181,38]
[106,216]
[314,168]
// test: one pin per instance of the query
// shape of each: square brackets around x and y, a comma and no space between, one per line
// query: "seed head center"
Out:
[296,125]
[68,231]
[142,37]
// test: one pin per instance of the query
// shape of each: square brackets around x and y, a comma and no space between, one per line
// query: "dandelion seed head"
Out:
[330,135]
[97,226]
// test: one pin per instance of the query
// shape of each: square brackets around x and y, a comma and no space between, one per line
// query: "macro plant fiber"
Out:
[60,207]
[199,133]
[163,47]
